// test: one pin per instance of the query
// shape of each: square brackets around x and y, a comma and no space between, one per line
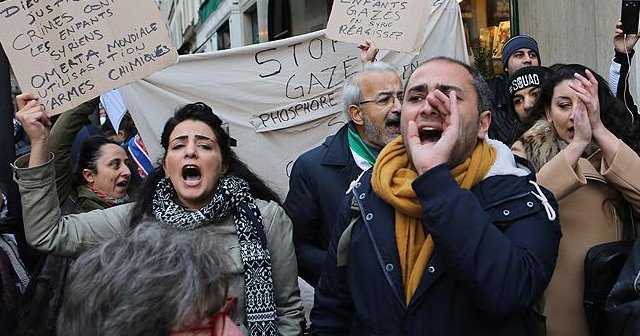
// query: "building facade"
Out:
[568,31]
[208,25]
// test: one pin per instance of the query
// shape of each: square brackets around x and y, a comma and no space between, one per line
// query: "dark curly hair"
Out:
[199,112]
[615,116]
[90,152]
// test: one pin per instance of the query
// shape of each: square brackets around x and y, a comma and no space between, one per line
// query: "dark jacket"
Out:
[62,136]
[9,294]
[83,200]
[495,251]
[619,81]
[318,182]
[505,123]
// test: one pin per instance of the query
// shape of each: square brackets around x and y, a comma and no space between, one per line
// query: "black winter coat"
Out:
[505,124]
[318,182]
[495,252]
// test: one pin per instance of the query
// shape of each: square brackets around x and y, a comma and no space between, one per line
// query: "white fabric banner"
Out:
[280,98]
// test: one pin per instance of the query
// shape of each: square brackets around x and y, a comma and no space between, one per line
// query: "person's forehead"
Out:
[441,73]
[526,91]
[191,127]
[379,80]
[563,88]
[112,151]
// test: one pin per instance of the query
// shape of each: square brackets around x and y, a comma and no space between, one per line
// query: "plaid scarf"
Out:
[232,196]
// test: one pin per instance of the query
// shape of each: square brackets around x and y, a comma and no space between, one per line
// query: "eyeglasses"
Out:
[385,99]
[213,326]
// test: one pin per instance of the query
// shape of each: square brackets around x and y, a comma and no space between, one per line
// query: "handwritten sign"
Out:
[393,25]
[253,88]
[69,51]
[311,84]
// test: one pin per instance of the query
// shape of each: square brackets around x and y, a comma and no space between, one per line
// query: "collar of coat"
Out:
[541,143]
[505,163]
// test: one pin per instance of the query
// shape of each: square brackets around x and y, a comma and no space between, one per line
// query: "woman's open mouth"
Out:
[123,184]
[191,175]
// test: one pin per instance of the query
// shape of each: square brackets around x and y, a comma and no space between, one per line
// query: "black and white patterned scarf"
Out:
[232,196]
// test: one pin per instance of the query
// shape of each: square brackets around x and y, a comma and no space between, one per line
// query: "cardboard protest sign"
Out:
[69,51]
[393,25]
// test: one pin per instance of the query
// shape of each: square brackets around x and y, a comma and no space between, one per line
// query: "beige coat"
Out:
[73,234]
[590,200]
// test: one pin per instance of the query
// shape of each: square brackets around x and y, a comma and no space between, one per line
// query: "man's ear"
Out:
[88,176]
[355,113]
[484,121]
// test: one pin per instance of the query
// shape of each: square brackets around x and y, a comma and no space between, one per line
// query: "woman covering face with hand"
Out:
[583,143]
[201,185]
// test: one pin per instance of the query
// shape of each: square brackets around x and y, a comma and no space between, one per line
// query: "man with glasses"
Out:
[320,177]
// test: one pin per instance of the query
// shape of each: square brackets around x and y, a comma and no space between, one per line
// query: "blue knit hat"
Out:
[515,43]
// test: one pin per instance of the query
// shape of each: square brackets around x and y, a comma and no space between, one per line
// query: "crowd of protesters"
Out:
[447,205]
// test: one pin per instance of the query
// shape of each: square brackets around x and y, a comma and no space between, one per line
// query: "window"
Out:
[279,19]
[224,36]
[251,26]
[487,26]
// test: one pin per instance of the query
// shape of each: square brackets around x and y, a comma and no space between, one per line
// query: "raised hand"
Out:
[36,124]
[587,91]
[621,43]
[368,52]
[581,125]
[581,136]
[33,117]
[428,154]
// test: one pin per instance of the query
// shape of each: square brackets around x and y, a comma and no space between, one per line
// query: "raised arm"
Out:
[619,69]
[63,133]
[44,228]
[35,122]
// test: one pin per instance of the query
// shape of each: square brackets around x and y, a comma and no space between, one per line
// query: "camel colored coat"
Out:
[591,199]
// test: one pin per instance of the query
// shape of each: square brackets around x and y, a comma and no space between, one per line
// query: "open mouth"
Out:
[429,134]
[122,184]
[392,123]
[392,126]
[191,173]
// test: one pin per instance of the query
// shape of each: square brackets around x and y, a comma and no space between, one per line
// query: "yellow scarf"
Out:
[392,176]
